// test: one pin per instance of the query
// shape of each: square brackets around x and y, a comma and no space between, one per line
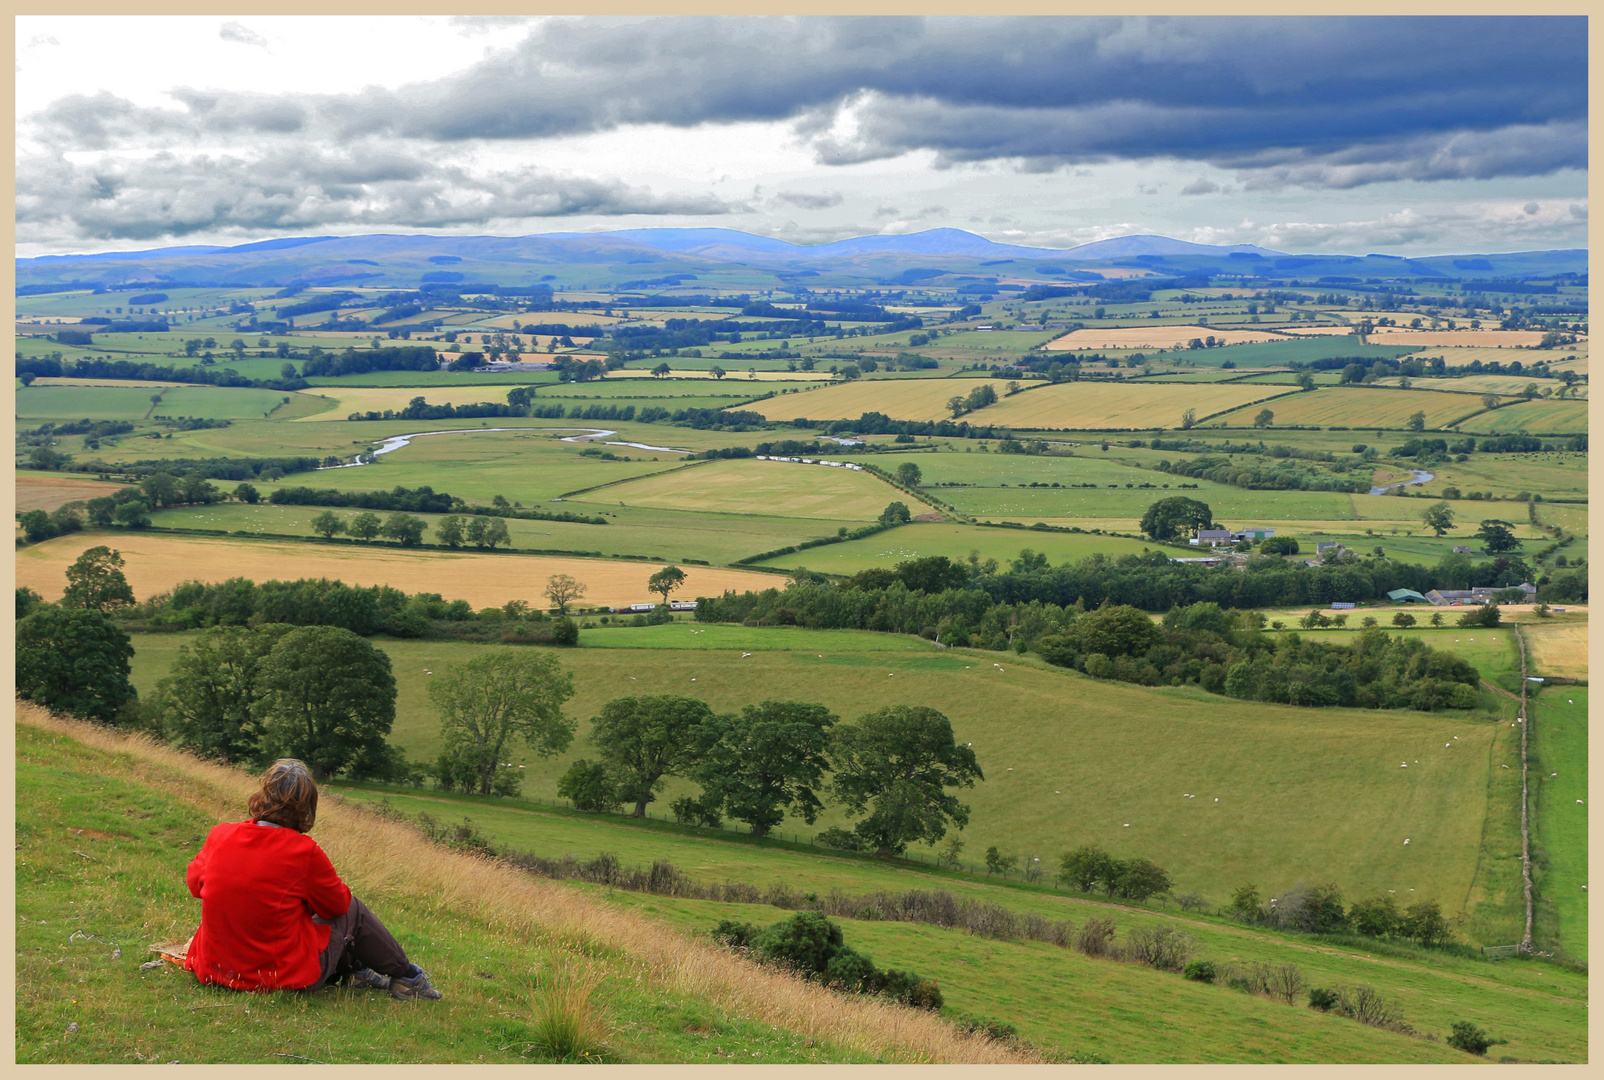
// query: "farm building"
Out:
[1253,532]
[1480,595]
[1406,596]
[1463,549]
[1323,546]
[1214,537]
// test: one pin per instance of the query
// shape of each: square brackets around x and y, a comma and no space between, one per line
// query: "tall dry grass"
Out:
[384,859]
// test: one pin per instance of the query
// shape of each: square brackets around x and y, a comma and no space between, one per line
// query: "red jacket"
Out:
[259,887]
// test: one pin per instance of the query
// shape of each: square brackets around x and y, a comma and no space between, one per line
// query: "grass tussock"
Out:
[384,859]
[565,1017]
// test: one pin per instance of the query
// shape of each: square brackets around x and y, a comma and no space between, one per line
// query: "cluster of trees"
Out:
[418,409]
[1090,867]
[1285,476]
[812,946]
[978,398]
[91,368]
[361,362]
[1225,652]
[891,768]
[878,423]
[1318,909]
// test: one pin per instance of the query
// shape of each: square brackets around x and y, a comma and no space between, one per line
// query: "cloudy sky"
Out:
[1404,136]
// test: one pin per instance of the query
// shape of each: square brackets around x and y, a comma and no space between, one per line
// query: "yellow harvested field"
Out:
[1308,330]
[1557,648]
[1160,336]
[349,399]
[1487,339]
[900,399]
[155,564]
[1510,385]
[1461,355]
[46,491]
[783,488]
[1360,408]
[1081,405]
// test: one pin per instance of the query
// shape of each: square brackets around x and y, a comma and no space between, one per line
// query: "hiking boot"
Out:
[368,979]
[413,987]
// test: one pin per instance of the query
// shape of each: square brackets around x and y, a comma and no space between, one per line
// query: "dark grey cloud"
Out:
[298,189]
[1309,101]
[810,200]
[1200,186]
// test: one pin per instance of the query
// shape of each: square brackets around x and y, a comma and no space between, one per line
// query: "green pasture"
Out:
[1054,995]
[1492,652]
[923,539]
[1281,353]
[1533,417]
[1070,760]
[439,378]
[1552,475]
[640,531]
[1559,842]
[84,402]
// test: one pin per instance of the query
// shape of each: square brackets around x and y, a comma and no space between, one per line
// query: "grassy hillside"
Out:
[1054,994]
[106,827]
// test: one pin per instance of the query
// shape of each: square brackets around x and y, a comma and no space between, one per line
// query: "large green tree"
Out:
[1497,536]
[95,581]
[643,740]
[498,698]
[74,660]
[666,581]
[210,700]
[896,764]
[1439,517]
[328,698]
[1175,517]
[766,762]
[1116,630]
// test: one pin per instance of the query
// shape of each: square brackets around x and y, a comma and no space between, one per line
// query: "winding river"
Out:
[1421,477]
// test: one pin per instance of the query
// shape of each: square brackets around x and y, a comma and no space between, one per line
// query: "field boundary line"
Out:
[628,479]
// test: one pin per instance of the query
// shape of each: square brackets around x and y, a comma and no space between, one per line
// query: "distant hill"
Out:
[716,258]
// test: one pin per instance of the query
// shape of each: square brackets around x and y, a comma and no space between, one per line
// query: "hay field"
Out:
[1560,417]
[900,399]
[1308,330]
[155,564]
[1557,648]
[1461,355]
[1487,339]
[46,491]
[790,489]
[1160,336]
[1083,405]
[1361,408]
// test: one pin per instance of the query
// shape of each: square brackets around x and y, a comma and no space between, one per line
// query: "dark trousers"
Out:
[359,940]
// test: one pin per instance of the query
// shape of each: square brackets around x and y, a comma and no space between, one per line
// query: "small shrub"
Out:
[1191,901]
[1161,947]
[1095,936]
[1239,982]
[1365,1005]
[1323,1000]
[1472,1039]
[736,935]
[840,839]
[1200,971]
[995,1030]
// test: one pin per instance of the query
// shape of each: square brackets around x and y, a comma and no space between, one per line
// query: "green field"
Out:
[1553,475]
[134,402]
[956,542]
[757,487]
[1071,760]
[1279,353]
[1345,405]
[1559,840]
[1534,417]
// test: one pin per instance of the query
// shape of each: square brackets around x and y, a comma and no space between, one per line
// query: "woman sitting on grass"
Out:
[276,916]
